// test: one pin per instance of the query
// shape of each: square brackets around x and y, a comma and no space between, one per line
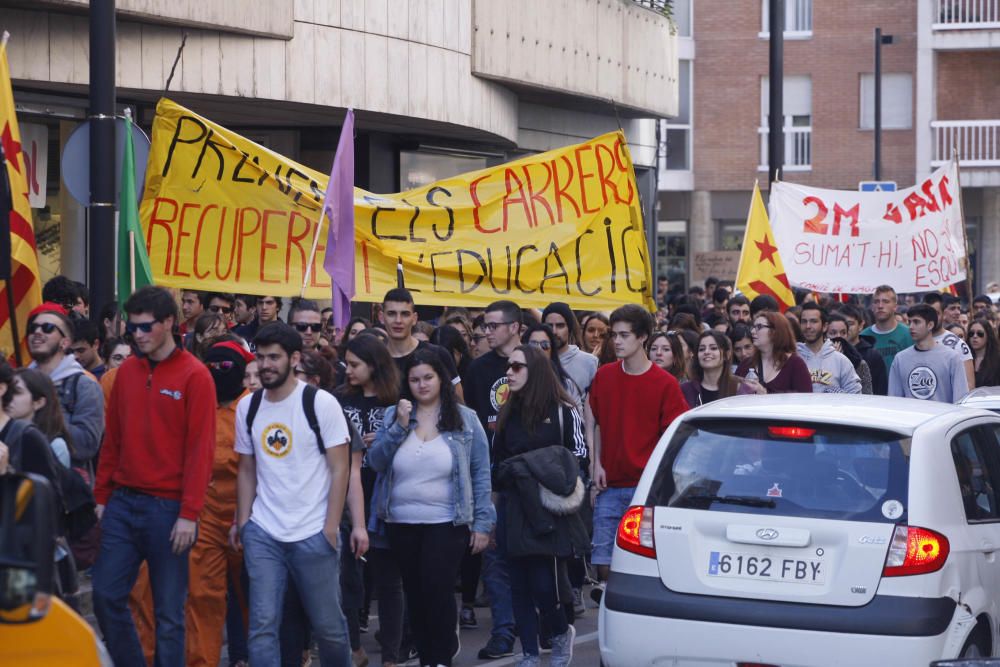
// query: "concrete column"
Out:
[926,99]
[701,227]
[988,255]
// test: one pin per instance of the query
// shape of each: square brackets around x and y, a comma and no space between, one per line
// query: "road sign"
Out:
[877,186]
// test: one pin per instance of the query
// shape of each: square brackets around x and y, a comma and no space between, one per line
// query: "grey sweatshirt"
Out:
[937,374]
[580,366]
[831,372]
[85,419]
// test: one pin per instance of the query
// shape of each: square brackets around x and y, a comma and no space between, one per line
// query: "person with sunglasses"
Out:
[537,451]
[223,304]
[307,319]
[154,470]
[986,352]
[50,335]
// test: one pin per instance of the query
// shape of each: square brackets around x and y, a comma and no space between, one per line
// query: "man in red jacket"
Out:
[155,465]
[632,402]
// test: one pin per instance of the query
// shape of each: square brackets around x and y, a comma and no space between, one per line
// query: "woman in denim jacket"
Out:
[433,493]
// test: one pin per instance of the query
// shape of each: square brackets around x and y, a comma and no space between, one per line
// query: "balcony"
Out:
[977,142]
[798,148]
[966,15]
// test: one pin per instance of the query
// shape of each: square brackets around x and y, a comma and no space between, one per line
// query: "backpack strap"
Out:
[309,407]
[255,400]
[67,393]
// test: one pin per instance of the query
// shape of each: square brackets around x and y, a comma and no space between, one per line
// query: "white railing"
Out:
[977,142]
[966,14]
[798,148]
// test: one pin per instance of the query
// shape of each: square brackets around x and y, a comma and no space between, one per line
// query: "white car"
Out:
[987,398]
[802,529]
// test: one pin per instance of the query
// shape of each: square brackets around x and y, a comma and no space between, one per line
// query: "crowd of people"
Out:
[225,472]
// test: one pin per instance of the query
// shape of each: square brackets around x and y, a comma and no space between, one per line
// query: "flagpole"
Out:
[131,260]
[312,253]
[961,216]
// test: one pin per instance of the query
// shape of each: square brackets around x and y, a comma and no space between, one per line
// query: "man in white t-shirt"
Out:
[290,500]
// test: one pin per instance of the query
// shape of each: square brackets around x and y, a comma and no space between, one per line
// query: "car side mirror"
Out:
[27,547]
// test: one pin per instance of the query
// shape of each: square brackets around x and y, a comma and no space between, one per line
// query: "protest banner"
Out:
[223,213]
[851,242]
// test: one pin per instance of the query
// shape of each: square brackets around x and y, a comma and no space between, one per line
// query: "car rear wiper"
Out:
[749,501]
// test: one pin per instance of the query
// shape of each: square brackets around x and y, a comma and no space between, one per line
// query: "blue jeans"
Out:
[496,579]
[609,508]
[134,528]
[314,566]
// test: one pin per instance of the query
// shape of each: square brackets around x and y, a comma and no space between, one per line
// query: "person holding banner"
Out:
[927,370]
[775,368]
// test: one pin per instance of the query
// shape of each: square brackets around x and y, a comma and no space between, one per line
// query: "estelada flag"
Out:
[24,279]
[761,270]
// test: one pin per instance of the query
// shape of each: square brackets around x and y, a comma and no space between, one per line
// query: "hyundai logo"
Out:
[767,534]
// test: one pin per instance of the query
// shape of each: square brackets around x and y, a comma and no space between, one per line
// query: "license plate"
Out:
[765,568]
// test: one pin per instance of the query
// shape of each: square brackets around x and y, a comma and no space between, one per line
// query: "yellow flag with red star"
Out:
[761,270]
[24,279]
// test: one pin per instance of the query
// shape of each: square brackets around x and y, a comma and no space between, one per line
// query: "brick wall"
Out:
[968,85]
[731,59]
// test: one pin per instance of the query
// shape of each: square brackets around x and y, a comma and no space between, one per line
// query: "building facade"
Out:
[940,89]
[440,87]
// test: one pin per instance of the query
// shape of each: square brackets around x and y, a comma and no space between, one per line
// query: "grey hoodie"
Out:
[580,366]
[84,412]
[831,371]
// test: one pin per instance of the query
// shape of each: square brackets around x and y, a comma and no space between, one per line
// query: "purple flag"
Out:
[338,204]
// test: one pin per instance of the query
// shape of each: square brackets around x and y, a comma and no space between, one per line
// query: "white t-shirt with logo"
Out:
[950,340]
[293,480]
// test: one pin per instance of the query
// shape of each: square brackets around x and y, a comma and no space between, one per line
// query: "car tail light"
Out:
[635,532]
[794,432]
[915,550]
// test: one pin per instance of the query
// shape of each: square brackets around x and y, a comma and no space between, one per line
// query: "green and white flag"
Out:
[133,260]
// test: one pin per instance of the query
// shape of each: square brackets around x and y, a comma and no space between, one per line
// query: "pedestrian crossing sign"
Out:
[877,186]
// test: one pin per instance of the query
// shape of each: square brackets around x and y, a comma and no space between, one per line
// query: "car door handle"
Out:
[987,548]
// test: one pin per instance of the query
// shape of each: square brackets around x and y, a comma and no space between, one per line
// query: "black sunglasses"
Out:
[144,327]
[220,309]
[516,366]
[46,327]
[302,327]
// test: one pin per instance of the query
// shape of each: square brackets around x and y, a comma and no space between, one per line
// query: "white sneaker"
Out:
[562,648]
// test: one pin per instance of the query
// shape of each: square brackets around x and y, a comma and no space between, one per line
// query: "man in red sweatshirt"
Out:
[155,465]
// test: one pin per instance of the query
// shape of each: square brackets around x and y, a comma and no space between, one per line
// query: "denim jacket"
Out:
[470,469]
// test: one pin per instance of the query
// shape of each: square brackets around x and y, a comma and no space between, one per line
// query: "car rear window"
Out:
[789,469]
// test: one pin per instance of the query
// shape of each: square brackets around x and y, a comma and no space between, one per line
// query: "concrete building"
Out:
[940,87]
[440,87]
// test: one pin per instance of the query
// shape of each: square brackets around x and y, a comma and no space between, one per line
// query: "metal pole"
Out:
[776,116]
[101,211]
[877,168]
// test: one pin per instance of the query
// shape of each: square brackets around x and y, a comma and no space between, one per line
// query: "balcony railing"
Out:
[977,142]
[798,148]
[966,14]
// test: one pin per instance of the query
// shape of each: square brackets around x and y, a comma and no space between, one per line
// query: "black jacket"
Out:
[532,529]
[880,374]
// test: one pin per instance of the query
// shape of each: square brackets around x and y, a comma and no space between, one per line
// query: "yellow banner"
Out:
[223,213]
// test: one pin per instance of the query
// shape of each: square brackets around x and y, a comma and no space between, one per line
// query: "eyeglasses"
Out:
[46,327]
[303,327]
[516,366]
[758,327]
[492,326]
[478,337]
[225,310]
[977,334]
[144,327]
[540,344]
[221,365]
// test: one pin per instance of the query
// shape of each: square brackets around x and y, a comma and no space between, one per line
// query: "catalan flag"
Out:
[761,270]
[24,282]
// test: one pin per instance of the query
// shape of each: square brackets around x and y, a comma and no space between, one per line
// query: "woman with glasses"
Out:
[774,368]
[985,352]
[711,371]
[666,350]
[434,495]
[207,328]
[538,447]
[115,351]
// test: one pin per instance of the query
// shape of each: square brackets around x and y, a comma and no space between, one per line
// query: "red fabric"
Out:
[159,435]
[632,412]
[48,307]
[238,349]
[793,377]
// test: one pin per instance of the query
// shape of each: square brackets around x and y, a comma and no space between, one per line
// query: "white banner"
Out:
[852,242]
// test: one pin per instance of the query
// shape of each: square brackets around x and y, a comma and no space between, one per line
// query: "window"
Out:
[974,480]
[897,101]
[798,19]
[731,233]
[797,98]
[682,17]
[419,168]
[678,129]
